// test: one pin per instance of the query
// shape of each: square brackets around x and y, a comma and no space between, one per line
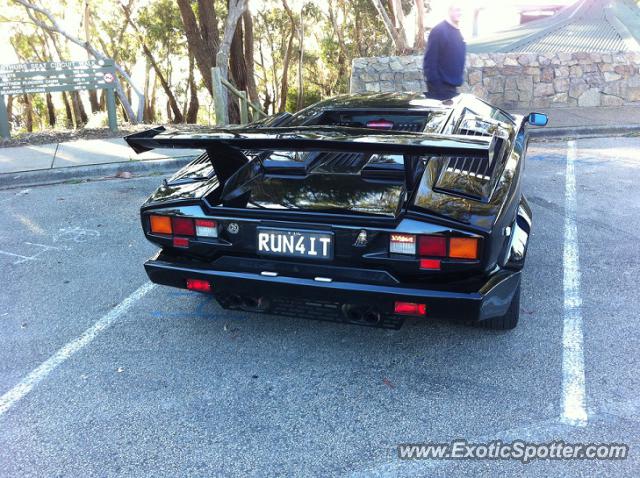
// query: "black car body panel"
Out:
[358,174]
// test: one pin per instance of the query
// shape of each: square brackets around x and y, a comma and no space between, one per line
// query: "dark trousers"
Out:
[441,91]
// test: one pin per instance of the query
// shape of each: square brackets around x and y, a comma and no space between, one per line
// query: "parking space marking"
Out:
[574,409]
[19,391]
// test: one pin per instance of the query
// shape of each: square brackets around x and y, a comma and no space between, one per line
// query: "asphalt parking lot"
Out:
[166,383]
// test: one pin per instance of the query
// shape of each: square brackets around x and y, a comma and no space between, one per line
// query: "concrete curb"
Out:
[95,171]
[583,131]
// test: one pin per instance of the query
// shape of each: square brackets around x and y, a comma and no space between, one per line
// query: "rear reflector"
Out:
[432,246]
[206,228]
[409,308]
[183,226]
[180,242]
[430,264]
[402,244]
[199,285]
[160,224]
[463,248]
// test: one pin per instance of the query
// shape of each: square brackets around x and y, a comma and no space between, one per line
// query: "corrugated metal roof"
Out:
[578,36]
[586,26]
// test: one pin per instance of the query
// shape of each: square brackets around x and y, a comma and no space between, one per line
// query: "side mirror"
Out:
[538,119]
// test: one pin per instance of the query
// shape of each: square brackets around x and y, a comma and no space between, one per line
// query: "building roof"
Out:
[586,26]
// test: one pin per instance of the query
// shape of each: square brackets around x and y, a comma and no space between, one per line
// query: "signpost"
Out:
[56,76]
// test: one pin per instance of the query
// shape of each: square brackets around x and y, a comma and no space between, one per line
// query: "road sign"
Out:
[56,76]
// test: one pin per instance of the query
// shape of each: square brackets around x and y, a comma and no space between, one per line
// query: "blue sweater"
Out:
[445,56]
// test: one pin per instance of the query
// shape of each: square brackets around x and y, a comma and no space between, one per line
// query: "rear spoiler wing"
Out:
[225,147]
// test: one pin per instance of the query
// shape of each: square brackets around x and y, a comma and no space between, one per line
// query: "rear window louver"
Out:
[466,177]
[345,163]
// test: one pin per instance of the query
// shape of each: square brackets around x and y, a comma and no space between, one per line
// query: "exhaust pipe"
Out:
[361,314]
[254,304]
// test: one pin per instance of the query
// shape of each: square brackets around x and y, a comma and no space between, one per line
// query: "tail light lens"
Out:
[430,264]
[206,228]
[380,124]
[403,244]
[432,246]
[199,285]
[160,224]
[182,242]
[409,308]
[463,248]
[183,226]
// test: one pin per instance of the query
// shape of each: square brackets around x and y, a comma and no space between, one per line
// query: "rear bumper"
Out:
[490,299]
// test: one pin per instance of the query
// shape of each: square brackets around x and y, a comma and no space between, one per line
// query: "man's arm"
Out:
[432,58]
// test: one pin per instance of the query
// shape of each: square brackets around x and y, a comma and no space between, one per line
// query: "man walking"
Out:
[445,57]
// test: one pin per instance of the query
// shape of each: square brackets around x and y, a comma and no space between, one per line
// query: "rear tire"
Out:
[507,321]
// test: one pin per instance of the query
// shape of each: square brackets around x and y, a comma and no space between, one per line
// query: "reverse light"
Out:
[183,226]
[160,224]
[463,248]
[206,228]
[410,308]
[199,285]
[402,244]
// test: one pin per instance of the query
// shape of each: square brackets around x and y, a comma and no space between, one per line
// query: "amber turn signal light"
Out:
[160,224]
[463,248]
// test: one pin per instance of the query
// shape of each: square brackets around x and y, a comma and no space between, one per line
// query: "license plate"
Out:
[281,242]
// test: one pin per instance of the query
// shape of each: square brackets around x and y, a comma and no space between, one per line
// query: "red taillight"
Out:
[410,308]
[183,226]
[180,242]
[199,285]
[430,264]
[432,246]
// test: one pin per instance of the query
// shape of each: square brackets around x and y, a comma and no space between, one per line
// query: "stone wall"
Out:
[518,80]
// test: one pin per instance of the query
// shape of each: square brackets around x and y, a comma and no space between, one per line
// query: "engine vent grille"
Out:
[345,163]
[469,177]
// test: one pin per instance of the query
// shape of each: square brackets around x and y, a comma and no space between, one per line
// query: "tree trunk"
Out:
[194,104]
[300,99]
[201,39]
[419,43]
[146,117]
[252,89]
[398,40]
[9,107]
[51,110]
[237,65]
[284,83]
[67,109]
[78,109]
[28,113]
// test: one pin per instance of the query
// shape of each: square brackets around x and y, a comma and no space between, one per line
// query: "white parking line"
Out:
[18,392]
[574,409]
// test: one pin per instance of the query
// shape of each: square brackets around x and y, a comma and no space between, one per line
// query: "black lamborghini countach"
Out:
[365,209]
